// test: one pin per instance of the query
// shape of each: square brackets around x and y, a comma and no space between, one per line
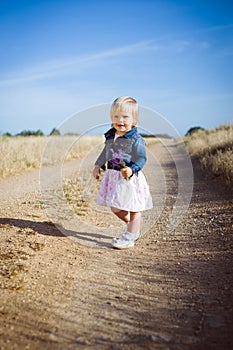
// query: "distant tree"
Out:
[71,134]
[7,134]
[55,132]
[147,135]
[193,129]
[31,133]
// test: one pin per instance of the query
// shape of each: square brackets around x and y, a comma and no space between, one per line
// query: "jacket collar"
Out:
[111,133]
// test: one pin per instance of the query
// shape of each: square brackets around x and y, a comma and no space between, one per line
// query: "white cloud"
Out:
[59,67]
[218,28]
[182,45]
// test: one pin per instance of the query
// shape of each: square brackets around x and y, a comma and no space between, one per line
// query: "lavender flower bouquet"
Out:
[118,160]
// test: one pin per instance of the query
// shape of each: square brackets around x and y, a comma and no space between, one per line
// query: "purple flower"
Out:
[118,159]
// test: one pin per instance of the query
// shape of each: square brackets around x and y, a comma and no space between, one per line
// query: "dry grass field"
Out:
[20,154]
[214,149]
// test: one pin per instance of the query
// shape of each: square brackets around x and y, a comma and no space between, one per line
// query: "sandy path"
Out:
[171,291]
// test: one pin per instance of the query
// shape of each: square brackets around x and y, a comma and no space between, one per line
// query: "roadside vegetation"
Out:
[20,154]
[214,149]
[29,150]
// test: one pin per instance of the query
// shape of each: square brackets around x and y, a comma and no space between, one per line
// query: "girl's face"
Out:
[122,122]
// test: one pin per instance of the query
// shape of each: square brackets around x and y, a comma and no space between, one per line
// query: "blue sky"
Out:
[60,57]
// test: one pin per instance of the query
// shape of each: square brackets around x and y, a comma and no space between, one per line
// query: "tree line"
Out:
[54,132]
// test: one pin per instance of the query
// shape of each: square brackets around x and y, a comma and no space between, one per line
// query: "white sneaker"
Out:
[126,241]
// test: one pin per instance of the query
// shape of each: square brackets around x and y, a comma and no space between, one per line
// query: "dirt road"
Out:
[64,288]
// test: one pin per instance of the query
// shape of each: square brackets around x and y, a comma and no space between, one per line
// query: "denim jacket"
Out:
[127,150]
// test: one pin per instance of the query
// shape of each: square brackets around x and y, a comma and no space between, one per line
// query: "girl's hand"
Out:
[96,172]
[126,172]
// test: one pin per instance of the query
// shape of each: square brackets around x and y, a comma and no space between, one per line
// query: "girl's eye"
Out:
[125,117]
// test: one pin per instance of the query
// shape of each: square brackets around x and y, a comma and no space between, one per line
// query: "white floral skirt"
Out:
[130,195]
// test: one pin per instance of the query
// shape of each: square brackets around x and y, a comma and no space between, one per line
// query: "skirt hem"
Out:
[117,192]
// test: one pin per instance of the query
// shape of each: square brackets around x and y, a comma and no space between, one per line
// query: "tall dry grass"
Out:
[20,154]
[214,149]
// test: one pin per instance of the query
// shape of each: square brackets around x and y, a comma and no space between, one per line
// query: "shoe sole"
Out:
[123,247]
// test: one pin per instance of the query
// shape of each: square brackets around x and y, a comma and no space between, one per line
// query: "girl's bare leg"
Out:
[134,222]
[121,214]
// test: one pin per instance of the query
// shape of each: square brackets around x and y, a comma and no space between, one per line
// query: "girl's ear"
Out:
[134,124]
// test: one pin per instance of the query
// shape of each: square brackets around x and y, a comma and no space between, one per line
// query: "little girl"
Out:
[124,188]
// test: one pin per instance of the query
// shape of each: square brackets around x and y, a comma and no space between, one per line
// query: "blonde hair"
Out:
[125,104]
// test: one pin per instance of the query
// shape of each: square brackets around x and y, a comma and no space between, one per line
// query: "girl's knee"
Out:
[135,216]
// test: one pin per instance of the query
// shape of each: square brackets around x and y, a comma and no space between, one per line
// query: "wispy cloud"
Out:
[53,68]
[182,45]
[218,28]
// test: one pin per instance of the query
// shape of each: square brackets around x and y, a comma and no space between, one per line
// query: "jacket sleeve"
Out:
[101,160]
[138,156]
